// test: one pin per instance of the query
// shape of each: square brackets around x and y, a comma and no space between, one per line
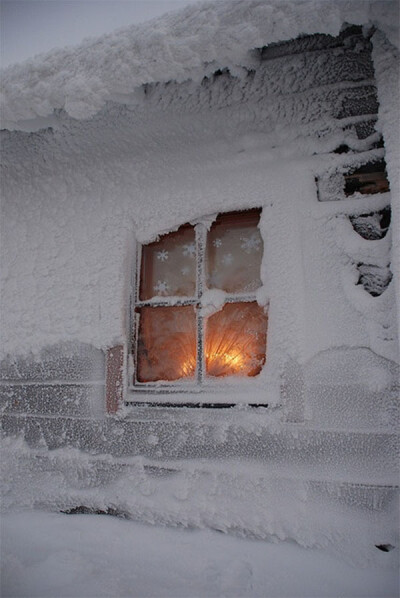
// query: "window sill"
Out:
[199,397]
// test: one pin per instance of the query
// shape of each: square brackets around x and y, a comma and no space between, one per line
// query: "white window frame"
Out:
[177,392]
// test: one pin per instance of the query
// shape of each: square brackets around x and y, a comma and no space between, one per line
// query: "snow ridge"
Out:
[186,44]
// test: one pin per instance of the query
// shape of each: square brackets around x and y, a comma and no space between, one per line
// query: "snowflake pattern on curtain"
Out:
[250,244]
[162,255]
[161,288]
[231,241]
[189,250]
[168,266]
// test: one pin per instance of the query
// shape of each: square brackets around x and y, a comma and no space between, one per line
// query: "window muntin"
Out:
[174,343]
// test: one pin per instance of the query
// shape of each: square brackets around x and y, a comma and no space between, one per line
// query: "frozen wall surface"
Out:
[226,119]
[188,44]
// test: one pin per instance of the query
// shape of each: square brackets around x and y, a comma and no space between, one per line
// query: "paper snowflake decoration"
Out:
[227,259]
[189,250]
[162,255]
[161,287]
[250,244]
[217,242]
[214,280]
[185,271]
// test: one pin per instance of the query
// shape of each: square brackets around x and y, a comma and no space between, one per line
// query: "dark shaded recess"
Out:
[368,179]
[374,279]
[224,73]
[342,149]
[82,510]
[316,180]
[364,129]
[220,72]
[385,547]
[372,226]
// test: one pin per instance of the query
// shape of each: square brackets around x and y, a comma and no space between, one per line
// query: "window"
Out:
[196,318]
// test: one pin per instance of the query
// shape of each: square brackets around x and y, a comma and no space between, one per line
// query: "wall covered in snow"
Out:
[277,126]
[188,45]
[79,194]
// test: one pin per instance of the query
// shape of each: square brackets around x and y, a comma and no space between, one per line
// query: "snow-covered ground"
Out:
[58,555]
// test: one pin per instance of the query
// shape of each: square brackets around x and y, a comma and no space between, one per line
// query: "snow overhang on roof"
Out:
[186,44]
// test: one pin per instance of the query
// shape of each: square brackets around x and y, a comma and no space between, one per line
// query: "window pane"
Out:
[166,343]
[236,340]
[234,252]
[169,265]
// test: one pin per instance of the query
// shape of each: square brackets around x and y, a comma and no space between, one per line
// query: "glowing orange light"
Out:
[167,343]
[188,367]
[235,340]
[220,360]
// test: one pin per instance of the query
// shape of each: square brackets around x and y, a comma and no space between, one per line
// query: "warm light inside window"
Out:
[235,340]
[166,343]
[172,338]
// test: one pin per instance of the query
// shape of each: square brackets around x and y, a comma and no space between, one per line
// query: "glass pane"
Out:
[234,252]
[166,343]
[169,265]
[236,340]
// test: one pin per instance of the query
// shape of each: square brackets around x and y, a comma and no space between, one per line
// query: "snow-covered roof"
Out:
[186,44]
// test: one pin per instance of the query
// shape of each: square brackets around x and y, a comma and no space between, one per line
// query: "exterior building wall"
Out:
[328,434]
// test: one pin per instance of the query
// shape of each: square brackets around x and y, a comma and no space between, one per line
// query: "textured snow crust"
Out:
[386,59]
[79,195]
[239,496]
[48,554]
[188,44]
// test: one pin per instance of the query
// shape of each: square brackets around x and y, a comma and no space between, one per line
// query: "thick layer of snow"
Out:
[76,198]
[334,492]
[68,249]
[386,59]
[48,554]
[184,45]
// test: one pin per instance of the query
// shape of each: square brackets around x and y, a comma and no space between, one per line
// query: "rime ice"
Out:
[282,107]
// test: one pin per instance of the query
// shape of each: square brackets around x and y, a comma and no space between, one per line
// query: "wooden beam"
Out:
[366,183]
[114,378]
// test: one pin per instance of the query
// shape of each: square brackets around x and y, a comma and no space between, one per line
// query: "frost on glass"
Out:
[169,265]
[166,343]
[234,252]
[236,340]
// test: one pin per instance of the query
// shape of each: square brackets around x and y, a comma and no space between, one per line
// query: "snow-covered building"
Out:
[200,234]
